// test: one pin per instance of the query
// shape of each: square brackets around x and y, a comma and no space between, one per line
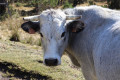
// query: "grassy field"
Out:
[23,61]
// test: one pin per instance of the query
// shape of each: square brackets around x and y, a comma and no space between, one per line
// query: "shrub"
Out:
[18,4]
[67,5]
[15,37]
[91,2]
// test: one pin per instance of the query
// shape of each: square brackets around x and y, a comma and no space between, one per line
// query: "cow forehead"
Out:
[50,14]
[52,22]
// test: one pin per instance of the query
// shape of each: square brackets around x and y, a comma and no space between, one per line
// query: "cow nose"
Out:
[51,62]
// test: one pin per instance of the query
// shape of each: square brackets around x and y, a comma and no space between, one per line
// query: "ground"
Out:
[23,61]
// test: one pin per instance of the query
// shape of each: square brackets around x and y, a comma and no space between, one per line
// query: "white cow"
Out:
[92,42]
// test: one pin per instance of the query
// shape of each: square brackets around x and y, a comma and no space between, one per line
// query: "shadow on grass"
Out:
[21,73]
[39,61]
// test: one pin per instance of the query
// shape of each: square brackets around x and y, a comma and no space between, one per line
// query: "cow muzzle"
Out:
[52,59]
[51,62]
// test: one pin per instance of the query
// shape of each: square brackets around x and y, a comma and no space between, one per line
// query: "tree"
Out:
[114,4]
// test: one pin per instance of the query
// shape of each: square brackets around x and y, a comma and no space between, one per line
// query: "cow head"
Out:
[54,30]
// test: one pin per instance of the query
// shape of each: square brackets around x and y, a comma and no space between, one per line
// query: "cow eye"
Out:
[63,34]
[41,34]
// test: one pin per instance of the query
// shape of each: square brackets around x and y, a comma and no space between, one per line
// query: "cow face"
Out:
[53,36]
[54,33]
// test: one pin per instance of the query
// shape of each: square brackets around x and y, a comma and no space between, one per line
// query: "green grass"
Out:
[28,60]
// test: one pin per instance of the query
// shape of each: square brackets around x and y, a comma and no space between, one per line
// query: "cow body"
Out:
[96,49]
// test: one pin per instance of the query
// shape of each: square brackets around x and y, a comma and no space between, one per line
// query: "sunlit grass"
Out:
[30,58]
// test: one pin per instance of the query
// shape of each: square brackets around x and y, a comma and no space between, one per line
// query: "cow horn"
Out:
[73,17]
[35,17]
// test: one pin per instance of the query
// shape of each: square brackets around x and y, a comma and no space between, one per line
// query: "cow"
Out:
[90,35]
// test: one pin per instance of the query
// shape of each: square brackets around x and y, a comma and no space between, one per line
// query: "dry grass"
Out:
[22,7]
[96,3]
[11,28]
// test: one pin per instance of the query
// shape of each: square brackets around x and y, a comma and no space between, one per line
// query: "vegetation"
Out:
[26,62]
[91,2]
[67,5]
[18,4]
[114,4]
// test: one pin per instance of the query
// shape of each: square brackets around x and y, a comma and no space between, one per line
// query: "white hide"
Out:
[97,48]
[52,26]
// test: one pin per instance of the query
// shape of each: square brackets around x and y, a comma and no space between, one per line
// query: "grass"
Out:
[67,5]
[10,29]
[28,60]
[90,2]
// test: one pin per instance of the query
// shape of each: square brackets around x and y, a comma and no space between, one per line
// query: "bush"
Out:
[15,37]
[67,5]
[14,27]
[91,2]
[18,4]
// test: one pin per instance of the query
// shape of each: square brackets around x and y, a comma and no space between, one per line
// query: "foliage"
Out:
[11,10]
[15,37]
[18,4]
[53,3]
[35,3]
[113,4]
[8,13]
[91,2]
[5,15]
[32,3]
[67,5]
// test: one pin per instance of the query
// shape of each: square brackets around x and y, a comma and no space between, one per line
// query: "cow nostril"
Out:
[51,62]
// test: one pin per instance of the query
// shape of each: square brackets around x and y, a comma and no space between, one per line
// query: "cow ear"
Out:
[31,27]
[75,26]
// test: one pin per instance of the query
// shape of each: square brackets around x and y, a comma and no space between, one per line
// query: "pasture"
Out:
[23,61]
